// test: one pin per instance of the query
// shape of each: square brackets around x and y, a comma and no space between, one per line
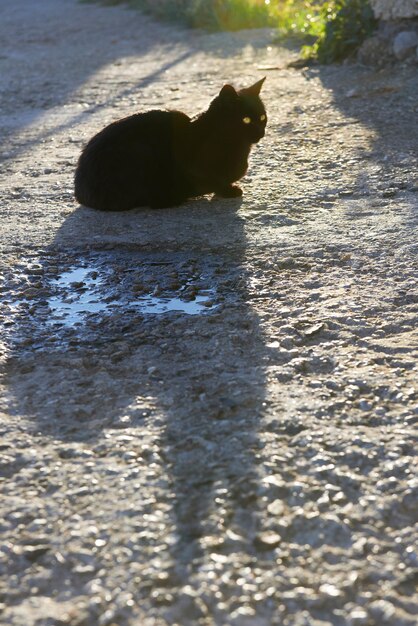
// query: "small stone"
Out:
[301,365]
[405,44]
[374,50]
[314,330]
[33,553]
[276,508]
[30,292]
[330,590]
[358,617]
[389,193]
[84,569]
[287,343]
[275,479]
[382,611]
[267,540]
[273,344]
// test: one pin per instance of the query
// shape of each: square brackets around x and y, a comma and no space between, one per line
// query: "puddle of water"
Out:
[151,304]
[70,309]
[81,296]
[78,275]
[72,313]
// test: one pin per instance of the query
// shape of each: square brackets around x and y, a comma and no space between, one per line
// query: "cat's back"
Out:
[158,127]
[121,165]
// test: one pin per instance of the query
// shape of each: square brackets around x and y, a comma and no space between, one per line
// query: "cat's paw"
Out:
[232,191]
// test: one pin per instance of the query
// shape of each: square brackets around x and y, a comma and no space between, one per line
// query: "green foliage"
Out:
[345,25]
[214,14]
[299,19]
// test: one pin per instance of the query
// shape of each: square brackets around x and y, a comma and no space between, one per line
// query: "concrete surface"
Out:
[250,461]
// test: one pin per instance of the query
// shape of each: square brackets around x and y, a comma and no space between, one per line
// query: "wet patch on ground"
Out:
[83,291]
[48,299]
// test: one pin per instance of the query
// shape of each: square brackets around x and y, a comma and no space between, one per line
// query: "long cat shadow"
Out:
[187,387]
[178,395]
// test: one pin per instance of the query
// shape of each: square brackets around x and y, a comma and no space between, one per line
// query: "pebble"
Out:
[405,44]
[287,343]
[267,540]
[30,292]
[314,330]
[330,590]
[389,193]
[276,507]
[33,553]
[358,617]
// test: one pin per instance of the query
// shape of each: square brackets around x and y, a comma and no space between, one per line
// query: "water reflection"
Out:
[82,291]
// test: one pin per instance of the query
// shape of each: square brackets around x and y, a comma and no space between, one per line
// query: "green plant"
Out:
[214,14]
[299,19]
[345,25]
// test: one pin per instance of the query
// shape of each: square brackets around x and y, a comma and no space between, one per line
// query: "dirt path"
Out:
[248,460]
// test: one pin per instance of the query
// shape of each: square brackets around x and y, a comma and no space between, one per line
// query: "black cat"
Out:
[161,158]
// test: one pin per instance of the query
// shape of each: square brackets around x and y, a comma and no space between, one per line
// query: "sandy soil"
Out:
[249,461]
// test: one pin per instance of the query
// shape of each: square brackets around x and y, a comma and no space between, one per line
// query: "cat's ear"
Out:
[228,92]
[255,89]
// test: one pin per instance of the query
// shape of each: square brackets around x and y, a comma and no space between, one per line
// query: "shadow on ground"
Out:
[191,388]
[373,98]
[196,380]
[89,51]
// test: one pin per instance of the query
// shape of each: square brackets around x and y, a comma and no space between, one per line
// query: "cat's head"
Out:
[243,110]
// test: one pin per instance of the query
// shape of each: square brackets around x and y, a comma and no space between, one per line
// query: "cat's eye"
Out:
[262,118]
[246,120]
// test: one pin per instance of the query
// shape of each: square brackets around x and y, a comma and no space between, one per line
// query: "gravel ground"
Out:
[207,413]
